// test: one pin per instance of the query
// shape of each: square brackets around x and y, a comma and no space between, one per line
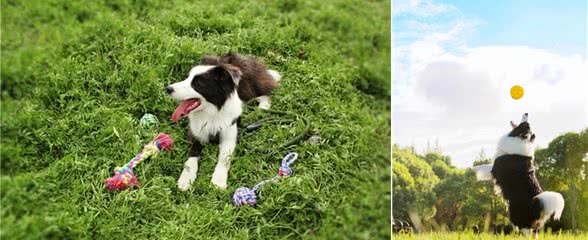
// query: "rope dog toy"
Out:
[245,196]
[124,176]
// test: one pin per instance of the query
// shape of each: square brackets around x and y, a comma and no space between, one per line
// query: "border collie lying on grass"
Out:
[212,97]
[514,178]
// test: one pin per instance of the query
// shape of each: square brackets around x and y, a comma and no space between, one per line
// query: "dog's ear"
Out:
[513,125]
[234,71]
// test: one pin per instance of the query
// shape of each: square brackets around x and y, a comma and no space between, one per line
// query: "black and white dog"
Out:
[514,179]
[212,98]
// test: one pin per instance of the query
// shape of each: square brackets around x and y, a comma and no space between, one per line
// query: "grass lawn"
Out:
[485,236]
[77,76]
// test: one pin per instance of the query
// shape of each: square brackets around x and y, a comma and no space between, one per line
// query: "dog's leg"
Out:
[265,102]
[275,75]
[228,141]
[190,167]
[536,234]
[526,232]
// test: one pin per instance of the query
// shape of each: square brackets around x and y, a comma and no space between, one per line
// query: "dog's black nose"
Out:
[169,90]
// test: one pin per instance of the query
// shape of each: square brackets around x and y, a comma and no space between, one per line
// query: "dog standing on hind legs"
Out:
[514,178]
[212,98]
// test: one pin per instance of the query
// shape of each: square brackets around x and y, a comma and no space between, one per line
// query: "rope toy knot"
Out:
[244,196]
[285,170]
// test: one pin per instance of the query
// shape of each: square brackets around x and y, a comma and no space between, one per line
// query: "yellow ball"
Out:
[517,92]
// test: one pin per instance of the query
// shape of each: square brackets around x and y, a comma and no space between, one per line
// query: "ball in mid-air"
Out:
[517,92]
[148,121]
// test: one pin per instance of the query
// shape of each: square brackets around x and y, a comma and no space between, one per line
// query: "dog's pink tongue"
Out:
[182,110]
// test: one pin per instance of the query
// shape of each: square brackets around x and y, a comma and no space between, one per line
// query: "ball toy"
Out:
[124,176]
[517,92]
[148,121]
[244,196]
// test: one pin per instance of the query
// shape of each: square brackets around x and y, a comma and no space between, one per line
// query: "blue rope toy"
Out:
[245,196]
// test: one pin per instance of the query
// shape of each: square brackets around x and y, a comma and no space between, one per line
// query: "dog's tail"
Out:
[552,203]
[483,172]
[275,75]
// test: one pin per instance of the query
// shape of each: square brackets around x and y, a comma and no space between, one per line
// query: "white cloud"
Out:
[433,43]
[465,102]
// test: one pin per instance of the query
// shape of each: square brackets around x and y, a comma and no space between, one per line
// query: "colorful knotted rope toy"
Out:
[245,196]
[124,176]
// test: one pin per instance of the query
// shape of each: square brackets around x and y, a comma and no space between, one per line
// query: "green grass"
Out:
[485,236]
[77,76]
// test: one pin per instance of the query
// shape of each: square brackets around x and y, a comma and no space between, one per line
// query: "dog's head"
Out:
[519,140]
[207,86]
[522,130]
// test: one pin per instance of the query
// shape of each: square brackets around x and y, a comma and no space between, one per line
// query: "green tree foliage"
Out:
[462,200]
[414,181]
[562,169]
[432,185]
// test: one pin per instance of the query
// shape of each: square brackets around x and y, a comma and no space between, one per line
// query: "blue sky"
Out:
[545,24]
[556,25]
[455,61]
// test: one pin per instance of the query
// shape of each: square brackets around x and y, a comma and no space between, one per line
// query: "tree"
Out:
[561,169]
[451,194]
[413,183]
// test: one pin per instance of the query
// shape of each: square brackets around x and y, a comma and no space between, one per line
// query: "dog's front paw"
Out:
[219,180]
[188,174]
[186,179]
[184,183]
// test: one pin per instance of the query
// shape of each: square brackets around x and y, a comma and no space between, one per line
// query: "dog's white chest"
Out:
[210,122]
[204,128]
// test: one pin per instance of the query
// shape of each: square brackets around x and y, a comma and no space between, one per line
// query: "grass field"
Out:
[77,76]
[485,236]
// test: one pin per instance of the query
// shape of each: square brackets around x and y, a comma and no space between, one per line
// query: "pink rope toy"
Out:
[124,176]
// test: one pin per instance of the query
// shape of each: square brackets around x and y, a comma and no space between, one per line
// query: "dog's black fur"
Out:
[515,175]
[255,79]
[216,85]
[522,131]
